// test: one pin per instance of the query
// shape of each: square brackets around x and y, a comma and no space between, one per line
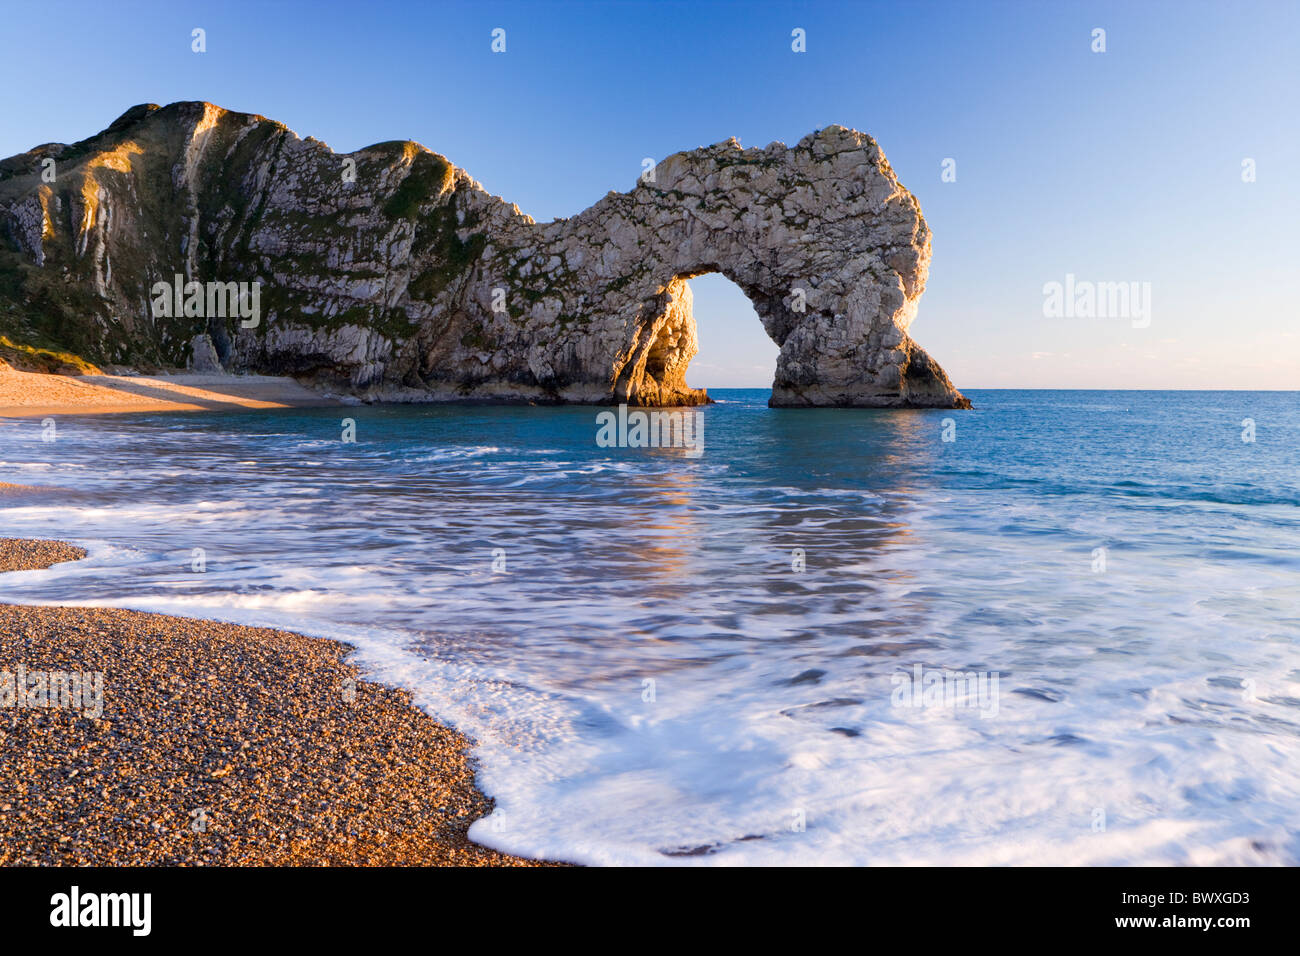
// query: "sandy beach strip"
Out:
[39,394]
[217,745]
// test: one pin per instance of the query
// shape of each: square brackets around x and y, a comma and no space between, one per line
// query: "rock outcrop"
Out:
[203,355]
[393,273]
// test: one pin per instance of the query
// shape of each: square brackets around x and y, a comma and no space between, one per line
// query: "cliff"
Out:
[391,272]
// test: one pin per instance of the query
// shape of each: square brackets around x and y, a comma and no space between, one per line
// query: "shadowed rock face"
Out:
[392,272]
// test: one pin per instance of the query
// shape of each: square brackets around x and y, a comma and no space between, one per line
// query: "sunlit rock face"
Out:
[393,273]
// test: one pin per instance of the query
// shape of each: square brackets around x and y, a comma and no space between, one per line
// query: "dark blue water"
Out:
[678,659]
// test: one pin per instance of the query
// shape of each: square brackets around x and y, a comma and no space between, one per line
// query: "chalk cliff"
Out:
[392,273]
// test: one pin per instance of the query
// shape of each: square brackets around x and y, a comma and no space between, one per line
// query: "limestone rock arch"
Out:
[830,248]
[392,273]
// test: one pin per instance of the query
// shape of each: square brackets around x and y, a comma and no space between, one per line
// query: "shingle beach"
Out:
[217,745]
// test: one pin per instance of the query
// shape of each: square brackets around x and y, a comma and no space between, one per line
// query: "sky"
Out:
[1128,165]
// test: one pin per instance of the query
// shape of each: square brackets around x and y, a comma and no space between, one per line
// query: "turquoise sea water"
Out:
[694,660]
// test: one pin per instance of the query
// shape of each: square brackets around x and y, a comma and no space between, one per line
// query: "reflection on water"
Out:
[679,656]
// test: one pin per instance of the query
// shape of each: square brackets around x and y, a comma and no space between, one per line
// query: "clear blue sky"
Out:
[1116,166]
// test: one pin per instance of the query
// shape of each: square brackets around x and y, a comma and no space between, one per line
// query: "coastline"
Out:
[218,745]
[39,394]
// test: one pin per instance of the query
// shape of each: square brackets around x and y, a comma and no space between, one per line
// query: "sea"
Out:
[1062,627]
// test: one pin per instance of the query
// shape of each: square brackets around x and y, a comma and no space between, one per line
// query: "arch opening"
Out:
[735,348]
